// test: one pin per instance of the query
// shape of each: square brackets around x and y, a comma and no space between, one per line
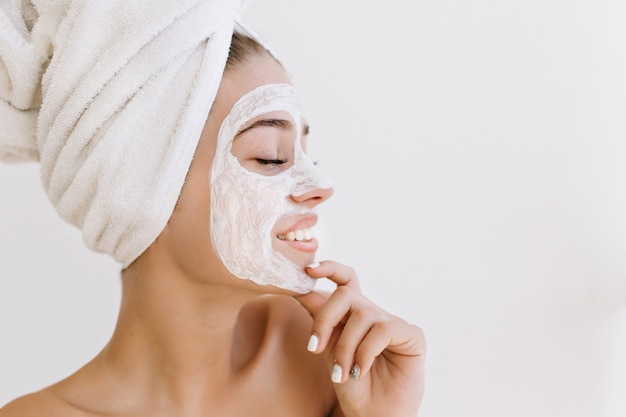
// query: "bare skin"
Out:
[193,340]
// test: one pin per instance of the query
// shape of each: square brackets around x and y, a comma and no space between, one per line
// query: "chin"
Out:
[299,286]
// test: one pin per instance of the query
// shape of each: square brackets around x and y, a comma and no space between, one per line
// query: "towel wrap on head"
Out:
[111,98]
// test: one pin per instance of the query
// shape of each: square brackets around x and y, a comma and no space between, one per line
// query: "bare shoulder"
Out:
[291,324]
[38,404]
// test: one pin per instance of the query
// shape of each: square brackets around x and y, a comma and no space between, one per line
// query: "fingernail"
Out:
[313,265]
[314,341]
[355,372]
[336,375]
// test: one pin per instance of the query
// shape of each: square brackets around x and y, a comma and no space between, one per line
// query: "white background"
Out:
[478,150]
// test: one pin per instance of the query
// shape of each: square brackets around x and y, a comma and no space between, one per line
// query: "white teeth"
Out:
[299,235]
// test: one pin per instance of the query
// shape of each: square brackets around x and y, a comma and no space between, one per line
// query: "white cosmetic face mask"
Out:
[245,205]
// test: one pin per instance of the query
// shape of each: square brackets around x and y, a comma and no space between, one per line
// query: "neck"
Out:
[175,332]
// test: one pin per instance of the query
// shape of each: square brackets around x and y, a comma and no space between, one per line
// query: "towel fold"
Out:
[111,98]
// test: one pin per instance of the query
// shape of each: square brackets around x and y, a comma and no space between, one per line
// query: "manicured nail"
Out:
[313,265]
[355,372]
[336,375]
[314,341]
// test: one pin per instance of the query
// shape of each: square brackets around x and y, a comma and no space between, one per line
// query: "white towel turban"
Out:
[110,96]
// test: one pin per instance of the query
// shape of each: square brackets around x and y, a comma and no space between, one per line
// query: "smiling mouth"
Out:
[298,235]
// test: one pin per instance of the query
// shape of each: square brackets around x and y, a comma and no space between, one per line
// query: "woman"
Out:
[208,324]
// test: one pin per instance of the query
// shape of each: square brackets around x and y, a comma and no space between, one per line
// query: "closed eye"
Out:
[274,162]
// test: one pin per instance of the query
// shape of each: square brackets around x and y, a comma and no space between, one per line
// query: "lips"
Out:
[299,235]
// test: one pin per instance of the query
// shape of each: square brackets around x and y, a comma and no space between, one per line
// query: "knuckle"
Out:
[342,291]
[360,315]
[419,336]
[323,322]
[364,352]
[418,331]
[343,351]
[351,272]
[382,317]
[385,327]
[369,313]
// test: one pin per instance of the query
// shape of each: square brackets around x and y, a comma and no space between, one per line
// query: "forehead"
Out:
[238,81]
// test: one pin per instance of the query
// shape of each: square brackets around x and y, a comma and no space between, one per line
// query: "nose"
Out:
[311,186]
[314,197]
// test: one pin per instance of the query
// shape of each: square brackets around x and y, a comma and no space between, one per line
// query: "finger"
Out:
[332,314]
[394,336]
[356,328]
[338,273]
[373,344]
[313,303]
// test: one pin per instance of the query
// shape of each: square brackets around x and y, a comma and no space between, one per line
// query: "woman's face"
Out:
[247,207]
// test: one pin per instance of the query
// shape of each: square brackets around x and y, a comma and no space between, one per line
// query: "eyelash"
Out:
[273,162]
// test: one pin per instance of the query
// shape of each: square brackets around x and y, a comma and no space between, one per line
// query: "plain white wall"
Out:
[478,154]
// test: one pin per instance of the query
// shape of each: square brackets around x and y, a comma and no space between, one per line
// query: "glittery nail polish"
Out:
[355,372]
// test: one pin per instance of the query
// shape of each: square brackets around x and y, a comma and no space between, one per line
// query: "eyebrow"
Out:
[279,123]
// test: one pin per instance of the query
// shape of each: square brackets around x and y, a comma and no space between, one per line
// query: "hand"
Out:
[375,359]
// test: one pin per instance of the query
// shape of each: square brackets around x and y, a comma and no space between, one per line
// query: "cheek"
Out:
[195,199]
[188,227]
[185,244]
